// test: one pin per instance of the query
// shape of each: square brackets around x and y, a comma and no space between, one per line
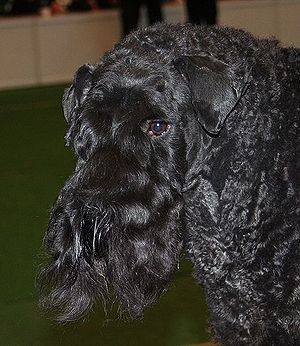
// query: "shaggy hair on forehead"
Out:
[187,138]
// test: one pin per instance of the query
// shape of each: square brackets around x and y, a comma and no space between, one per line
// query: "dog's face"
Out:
[118,219]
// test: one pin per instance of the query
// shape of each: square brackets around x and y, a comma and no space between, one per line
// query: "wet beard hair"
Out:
[131,242]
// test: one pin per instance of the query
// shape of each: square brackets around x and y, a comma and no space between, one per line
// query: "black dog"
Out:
[187,136]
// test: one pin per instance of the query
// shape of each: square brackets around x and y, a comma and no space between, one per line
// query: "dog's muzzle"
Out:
[115,223]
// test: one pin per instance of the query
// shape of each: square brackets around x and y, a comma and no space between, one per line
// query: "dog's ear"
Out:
[76,94]
[213,89]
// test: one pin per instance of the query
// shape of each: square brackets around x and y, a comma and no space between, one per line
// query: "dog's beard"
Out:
[94,243]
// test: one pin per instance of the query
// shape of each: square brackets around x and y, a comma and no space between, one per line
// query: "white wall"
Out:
[278,18]
[36,50]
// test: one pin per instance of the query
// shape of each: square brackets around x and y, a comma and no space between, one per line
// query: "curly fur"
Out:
[224,180]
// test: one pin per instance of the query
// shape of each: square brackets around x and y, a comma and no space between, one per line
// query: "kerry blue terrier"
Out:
[185,137]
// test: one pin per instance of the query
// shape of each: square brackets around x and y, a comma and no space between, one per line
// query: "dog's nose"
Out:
[109,172]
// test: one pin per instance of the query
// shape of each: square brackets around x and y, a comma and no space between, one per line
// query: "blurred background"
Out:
[42,43]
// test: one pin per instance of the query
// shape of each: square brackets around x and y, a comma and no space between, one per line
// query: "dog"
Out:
[186,138]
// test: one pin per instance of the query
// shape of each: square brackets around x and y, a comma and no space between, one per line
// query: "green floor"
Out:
[34,165]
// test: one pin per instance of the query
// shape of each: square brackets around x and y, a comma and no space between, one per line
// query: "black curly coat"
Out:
[222,179]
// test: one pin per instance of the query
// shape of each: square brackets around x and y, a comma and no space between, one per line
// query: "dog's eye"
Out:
[158,127]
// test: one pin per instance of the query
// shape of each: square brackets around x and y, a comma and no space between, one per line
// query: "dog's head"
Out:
[118,219]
